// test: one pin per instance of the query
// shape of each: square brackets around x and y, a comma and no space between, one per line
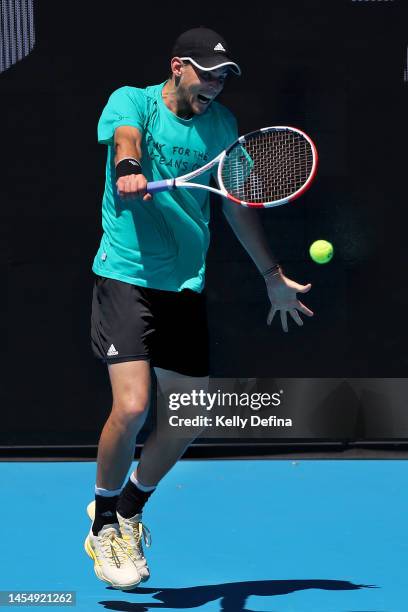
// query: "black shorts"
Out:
[131,323]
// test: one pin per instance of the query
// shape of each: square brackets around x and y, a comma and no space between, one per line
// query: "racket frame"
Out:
[184,181]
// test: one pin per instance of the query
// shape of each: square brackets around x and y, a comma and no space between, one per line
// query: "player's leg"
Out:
[159,454]
[180,357]
[181,362]
[130,383]
[161,450]
[120,323]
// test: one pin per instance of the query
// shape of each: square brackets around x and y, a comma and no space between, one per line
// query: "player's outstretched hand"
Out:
[282,294]
[132,186]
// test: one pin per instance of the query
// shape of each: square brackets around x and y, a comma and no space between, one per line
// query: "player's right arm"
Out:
[128,146]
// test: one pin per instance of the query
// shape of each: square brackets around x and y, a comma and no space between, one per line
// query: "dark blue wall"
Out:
[334,69]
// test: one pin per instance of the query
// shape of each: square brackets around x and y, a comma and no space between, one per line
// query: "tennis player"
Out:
[148,304]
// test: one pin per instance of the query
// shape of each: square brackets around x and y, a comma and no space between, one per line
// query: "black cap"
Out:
[205,49]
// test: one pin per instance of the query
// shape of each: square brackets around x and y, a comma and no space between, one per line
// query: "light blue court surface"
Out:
[264,535]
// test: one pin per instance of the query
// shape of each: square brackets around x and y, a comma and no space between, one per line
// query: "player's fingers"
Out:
[304,309]
[123,188]
[129,189]
[284,320]
[295,316]
[119,187]
[122,183]
[130,184]
[133,188]
[141,185]
[271,314]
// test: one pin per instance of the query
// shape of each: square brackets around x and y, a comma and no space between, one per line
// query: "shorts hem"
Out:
[125,358]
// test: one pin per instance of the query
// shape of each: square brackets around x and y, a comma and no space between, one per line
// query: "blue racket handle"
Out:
[156,186]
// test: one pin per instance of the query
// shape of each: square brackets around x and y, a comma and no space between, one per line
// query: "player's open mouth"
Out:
[203,99]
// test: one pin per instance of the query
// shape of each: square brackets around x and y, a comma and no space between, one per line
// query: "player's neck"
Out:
[173,101]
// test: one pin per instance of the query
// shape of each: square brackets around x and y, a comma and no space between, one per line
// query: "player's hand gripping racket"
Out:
[269,167]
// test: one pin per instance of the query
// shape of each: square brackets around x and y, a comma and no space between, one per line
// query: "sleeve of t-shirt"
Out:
[126,106]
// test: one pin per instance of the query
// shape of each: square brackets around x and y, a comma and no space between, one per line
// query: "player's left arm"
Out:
[282,291]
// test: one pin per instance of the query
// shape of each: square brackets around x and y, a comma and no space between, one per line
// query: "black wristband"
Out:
[127,166]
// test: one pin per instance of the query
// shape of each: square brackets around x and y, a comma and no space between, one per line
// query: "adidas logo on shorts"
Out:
[112,351]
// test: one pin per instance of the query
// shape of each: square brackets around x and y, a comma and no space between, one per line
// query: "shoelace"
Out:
[115,551]
[139,532]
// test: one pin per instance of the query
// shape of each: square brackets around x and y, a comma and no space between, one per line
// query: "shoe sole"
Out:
[90,510]
[98,571]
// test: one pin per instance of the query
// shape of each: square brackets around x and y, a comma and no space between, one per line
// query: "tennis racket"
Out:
[265,168]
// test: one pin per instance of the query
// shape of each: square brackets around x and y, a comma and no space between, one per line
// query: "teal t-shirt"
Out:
[161,243]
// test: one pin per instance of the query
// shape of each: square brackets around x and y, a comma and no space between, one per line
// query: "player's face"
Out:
[199,87]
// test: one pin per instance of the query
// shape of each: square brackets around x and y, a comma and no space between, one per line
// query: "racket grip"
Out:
[156,186]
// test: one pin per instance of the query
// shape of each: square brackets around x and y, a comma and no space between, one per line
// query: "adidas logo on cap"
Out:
[219,47]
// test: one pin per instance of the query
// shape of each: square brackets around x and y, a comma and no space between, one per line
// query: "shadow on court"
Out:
[233,595]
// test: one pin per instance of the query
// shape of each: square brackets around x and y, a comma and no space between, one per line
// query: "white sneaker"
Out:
[112,562]
[133,532]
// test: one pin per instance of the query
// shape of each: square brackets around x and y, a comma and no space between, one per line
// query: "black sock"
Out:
[132,500]
[105,512]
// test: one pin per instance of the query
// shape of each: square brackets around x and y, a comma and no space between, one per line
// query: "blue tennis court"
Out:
[230,535]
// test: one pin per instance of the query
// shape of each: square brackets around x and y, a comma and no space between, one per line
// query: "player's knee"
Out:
[131,407]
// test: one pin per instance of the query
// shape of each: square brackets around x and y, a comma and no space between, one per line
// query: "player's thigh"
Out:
[130,383]
[171,387]
[169,379]
[122,322]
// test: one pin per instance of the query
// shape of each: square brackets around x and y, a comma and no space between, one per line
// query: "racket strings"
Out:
[267,167]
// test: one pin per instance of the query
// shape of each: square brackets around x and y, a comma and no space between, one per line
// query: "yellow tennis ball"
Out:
[321,251]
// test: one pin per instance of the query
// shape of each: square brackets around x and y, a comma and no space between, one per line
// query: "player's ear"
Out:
[176,66]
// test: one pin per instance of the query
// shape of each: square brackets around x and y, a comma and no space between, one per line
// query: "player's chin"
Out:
[199,108]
